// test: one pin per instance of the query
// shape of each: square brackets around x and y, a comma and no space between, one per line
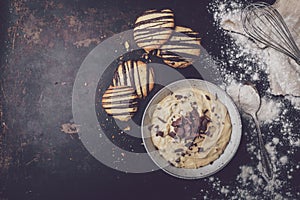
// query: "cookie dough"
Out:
[190,128]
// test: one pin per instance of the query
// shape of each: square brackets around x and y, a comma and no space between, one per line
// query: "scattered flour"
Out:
[283,72]
[283,160]
[279,84]
[269,108]
[275,140]
[294,101]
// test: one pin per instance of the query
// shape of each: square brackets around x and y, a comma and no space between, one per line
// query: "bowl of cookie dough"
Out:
[191,129]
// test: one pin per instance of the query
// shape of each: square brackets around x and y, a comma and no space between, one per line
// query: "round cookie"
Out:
[153,28]
[181,49]
[121,102]
[135,74]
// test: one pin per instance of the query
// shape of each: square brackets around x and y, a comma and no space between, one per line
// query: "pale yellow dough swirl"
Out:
[212,145]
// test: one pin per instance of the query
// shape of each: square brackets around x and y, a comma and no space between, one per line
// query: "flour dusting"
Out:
[278,82]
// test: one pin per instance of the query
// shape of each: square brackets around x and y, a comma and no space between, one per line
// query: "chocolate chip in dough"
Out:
[178,97]
[200,149]
[177,122]
[160,119]
[178,150]
[207,97]
[150,127]
[188,144]
[204,120]
[160,133]
[172,134]
[179,131]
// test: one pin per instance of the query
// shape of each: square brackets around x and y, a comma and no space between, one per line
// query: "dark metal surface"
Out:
[43,44]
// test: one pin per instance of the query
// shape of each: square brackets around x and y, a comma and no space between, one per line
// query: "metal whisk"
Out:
[264,24]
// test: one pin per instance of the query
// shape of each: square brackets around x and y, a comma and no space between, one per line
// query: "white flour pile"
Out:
[283,77]
[276,76]
[269,109]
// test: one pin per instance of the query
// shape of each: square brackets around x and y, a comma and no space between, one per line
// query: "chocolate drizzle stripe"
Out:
[119,106]
[151,41]
[146,37]
[183,39]
[157,26]
[156,19]
[139,80]
[118,102]
[158,11]
[116,89]
[149,32]
[175,59]
[147,86]
[182,54]
[150,22]
[144,73]
[151,15]
[136,79]
[132,75]
[144,45]
[117,79]
[121,114]
[136,75]
[124,74]
[119,94]
[192,35]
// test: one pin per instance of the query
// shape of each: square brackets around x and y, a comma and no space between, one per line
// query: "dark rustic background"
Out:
[43,44]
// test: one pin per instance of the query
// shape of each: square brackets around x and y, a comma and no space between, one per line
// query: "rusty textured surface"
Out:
[46,41]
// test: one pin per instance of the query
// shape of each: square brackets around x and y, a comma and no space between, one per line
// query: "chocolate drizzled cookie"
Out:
[121,102]
[153,28]
[182,48]
[135,74]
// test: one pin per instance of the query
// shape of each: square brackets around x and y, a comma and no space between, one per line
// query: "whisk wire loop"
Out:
[264,24]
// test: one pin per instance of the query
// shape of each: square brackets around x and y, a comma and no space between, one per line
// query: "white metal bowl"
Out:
[230,149]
